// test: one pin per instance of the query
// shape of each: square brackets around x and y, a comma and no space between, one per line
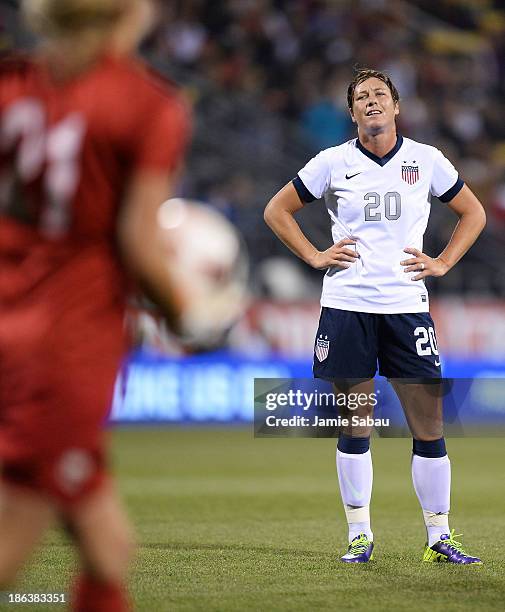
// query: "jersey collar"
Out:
[382,161]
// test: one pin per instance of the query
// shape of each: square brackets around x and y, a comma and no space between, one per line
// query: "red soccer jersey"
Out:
[67,153]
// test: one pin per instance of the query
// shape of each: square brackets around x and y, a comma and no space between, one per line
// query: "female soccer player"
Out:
[90,140]
[374,302]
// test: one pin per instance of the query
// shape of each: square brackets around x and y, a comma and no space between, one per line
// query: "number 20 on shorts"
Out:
[426,343]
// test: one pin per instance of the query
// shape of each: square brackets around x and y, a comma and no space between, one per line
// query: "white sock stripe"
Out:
[435,519]
[357,515]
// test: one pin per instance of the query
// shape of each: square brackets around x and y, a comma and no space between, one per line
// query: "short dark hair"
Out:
[362,74]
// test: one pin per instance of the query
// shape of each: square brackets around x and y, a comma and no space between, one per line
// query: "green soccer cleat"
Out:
[360,550]
[448,550]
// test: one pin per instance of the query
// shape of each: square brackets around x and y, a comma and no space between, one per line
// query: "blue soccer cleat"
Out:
[448,550]
[360,550]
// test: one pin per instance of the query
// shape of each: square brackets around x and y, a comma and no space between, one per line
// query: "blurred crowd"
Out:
[268,81]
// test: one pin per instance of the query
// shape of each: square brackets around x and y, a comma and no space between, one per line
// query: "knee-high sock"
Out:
[432,482]
[355,476]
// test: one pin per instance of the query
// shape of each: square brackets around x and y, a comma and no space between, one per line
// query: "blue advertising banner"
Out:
[215,387]
[219,387]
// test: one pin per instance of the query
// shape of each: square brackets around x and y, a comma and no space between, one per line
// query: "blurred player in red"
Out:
[89,143]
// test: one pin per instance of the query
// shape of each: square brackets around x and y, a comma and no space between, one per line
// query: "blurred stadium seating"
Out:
[267,79]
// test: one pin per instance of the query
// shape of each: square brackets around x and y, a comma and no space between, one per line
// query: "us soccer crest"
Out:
[322,347]
[410,174]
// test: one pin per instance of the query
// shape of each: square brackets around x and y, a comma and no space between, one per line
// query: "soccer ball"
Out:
[208,261]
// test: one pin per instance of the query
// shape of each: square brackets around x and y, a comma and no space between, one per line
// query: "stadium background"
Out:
[267,80]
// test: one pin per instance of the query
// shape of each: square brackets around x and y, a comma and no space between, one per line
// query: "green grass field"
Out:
[226,522]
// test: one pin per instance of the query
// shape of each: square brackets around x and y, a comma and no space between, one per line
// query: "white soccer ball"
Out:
[208,261]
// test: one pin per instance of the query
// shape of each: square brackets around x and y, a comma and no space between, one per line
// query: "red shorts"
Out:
[65,478]
[60,352]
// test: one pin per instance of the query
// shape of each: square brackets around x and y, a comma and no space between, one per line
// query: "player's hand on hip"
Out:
[338,255]
[423,264]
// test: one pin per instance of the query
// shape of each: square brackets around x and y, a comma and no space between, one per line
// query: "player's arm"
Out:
[472,220]
[139,239]
[279,216]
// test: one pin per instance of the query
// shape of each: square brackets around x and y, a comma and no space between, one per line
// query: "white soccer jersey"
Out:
[384,204]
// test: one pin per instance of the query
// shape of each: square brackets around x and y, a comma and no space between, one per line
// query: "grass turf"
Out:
[226,522]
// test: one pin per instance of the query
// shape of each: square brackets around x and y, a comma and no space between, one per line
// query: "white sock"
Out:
[432,483]
[355,476]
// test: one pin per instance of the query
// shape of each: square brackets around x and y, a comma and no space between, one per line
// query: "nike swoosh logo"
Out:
[350,176]
[437,363]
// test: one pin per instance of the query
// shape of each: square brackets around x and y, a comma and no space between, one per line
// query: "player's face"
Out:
[373,107]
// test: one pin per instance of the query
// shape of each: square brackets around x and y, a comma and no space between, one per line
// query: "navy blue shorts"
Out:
[349,345]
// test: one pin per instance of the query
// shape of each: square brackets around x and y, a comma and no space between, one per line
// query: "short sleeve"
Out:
[445,181]
[163,135]
[314,178]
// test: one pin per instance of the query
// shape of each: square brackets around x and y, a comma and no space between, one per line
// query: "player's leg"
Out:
[94,514]
[355,474]
[103,535]
[25,510]
[24,516]
[408,355]
[431,468]
[345,353]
